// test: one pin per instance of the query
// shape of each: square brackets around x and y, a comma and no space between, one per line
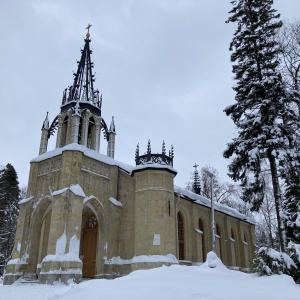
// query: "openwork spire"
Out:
[82,89]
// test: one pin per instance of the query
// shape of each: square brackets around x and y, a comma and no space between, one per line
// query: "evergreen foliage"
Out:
[269,261]
[9,197]
[293,251]
[291,206]
[263,112]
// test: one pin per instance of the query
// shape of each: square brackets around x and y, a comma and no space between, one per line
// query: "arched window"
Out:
[201,227]
[245,238]
[233,249]
[180,224]
[246,251]
[80,132]
[64,131]
[91,134]
[218,241]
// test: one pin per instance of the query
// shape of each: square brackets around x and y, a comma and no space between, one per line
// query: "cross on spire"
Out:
[88,29]
[195,166]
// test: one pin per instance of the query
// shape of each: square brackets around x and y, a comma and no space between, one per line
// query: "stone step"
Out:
[26,279]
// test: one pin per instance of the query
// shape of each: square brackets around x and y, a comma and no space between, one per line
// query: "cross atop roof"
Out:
[88,29]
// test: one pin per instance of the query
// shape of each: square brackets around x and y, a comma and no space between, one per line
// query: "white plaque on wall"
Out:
[156,239]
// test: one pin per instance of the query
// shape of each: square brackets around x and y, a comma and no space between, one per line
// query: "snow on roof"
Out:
[99,157]
[207,202]
[87,152]
[154,166]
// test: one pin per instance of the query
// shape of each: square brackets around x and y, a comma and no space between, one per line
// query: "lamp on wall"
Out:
[211,176]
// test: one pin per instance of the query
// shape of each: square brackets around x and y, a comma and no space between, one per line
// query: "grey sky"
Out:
[163,67]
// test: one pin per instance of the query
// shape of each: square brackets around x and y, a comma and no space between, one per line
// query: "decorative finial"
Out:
[149,147]
[163,148]
[88,29]
[137,153]
[171,152]
[46,122]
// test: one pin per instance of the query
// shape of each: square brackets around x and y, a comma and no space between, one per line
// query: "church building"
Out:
[87,215]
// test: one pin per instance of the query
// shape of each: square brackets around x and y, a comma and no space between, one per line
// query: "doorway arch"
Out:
[89,245]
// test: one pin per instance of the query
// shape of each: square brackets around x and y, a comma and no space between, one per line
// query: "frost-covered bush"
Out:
[269,261]
[293,251]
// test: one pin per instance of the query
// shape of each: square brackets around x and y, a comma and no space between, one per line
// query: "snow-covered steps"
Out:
[27,279]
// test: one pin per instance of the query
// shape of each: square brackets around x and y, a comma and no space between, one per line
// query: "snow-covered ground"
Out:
[175,282]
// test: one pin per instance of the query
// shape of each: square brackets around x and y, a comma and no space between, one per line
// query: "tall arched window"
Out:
[233,248]
[64,132]
[80,132]
[201,227]
[180,224]
[246,251]
[218,241]
[91,134]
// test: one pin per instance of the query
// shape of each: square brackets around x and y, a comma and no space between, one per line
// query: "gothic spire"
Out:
[196,183]
[82,89]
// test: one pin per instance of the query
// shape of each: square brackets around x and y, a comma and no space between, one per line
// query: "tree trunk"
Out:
[277,197]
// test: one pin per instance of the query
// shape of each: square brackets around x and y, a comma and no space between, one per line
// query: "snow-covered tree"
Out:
[291,206]
[263,112]
[9,197]
[289,41]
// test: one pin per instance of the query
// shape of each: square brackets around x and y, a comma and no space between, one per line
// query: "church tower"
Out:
[60,219]
[80,120]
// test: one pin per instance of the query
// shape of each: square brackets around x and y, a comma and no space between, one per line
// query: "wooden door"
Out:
[89,244]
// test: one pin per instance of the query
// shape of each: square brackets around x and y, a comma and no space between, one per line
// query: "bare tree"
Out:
[266,227]
[225,193]
[289,41]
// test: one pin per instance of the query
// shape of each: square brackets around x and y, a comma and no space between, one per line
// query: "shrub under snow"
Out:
[269,261]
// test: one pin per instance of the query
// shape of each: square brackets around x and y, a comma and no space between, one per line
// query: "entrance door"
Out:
[89,248]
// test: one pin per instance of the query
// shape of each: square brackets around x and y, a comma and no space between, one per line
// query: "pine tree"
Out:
[263,112]
[9,197]
[292,209]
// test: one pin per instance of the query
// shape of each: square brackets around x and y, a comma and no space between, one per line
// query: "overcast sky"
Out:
[163,67]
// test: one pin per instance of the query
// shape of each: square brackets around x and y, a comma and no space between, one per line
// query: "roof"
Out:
[197,199]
